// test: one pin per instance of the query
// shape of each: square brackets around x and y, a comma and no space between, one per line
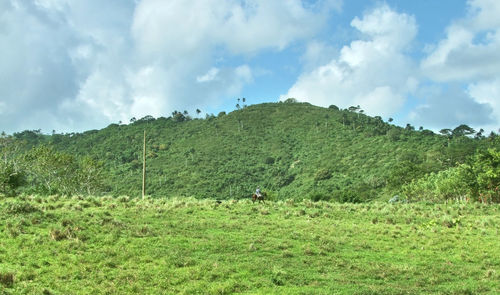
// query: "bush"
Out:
[7,279]
[478,179]
[349,196]
[322,174]
[441,186]
[21,207]
[285,180]
[317,196]
[291,100]
[269,160]
[179,117]
[485,169]
[11,178]
[394,134]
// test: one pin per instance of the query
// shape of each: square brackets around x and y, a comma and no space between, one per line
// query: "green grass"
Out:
[61,245]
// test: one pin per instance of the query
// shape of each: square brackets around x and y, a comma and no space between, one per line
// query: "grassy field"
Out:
[59,245]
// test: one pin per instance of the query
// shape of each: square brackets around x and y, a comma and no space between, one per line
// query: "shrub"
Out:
[478,179]
[322,174]
[269,160]
[285,180]
[349,196]
[21,207]
[394,134]
[317,196]
[7,279]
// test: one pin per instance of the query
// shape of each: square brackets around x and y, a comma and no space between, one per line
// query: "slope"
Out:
[292,150]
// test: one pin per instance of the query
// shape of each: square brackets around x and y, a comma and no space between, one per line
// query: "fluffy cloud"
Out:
[49,49]
[75,65]
[456,82]
[488,93]
[190,26]
[448,108]
[470,55]
[374,72]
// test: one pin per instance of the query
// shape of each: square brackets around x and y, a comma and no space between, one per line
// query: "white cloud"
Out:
[209,76]
[448,107]
[471,49]
[374,73]
[470,54]
[49,50]
[225,82]
[317,54]
[488,93]
[83,64]
[244,27]
[456,83]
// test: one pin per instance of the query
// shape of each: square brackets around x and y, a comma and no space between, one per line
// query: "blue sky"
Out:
[70,65]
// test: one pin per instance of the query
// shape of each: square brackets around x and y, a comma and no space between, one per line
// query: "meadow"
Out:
[106,245]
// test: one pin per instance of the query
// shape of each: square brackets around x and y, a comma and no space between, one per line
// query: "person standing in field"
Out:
[258,192]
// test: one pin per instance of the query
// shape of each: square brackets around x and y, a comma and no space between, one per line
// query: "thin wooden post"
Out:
[144,167]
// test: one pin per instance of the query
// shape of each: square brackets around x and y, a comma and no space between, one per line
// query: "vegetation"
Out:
[292,150]
[92,245]
[478,178]
[57,238]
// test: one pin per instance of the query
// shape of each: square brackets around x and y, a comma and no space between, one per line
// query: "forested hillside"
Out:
[290,150]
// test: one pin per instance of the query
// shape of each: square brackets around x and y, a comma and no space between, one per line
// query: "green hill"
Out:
[291,150]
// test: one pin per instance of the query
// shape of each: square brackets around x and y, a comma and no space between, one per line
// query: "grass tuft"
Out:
[7,279]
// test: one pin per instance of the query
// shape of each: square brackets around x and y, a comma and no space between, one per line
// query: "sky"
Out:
[76,65]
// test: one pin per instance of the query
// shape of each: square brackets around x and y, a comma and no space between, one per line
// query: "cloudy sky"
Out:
[74,65]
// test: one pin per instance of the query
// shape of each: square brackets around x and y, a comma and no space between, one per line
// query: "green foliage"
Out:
[10,178]
[319,196]
[484,172]
[477,179]
[52,172]
[463,130]
[394,134]
[437,187]
[90,176]
[269,160]
[322,174]
[291,148]
[349,196]
[11,175]
[178,117]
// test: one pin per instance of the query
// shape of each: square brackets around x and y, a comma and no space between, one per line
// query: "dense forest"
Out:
[291,150]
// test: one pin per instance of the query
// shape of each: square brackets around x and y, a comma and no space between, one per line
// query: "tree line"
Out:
[292,150]
[44,170]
